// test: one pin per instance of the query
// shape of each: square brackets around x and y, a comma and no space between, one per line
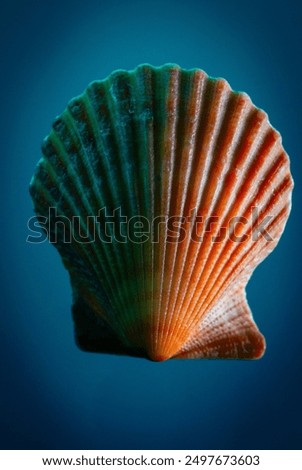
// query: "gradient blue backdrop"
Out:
[52,394]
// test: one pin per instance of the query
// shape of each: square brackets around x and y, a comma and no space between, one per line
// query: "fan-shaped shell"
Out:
[204,184]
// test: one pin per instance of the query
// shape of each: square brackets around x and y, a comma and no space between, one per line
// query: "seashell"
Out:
[162,190]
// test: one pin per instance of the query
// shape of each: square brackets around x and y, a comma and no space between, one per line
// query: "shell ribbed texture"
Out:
[160,142]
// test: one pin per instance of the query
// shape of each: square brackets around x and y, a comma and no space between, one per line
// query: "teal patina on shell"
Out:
[157,150]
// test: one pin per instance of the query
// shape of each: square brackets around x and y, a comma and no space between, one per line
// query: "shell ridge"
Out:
[142,204]
[215,119]
[119,106]
[247,247]
[109,169]
[184,89]
[89,202]
[231,272]
[250,257]
[109,140]
[192,199]
[232,106]
[192,86]
[205,149]
[201,164]
[171,102]
[148,79]
[220,247]
[149,114]
[227,331]
[94,199]
[83,160]
[115,249]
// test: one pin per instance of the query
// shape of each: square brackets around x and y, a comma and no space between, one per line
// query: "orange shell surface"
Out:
[164,142]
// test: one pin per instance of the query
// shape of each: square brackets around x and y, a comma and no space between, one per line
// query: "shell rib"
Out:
[200,167]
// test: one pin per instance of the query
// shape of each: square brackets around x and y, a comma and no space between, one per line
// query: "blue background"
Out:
[55,396]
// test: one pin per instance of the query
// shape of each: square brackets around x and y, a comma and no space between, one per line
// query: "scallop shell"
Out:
[203,183]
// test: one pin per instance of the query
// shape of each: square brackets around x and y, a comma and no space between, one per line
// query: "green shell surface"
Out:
[140,175]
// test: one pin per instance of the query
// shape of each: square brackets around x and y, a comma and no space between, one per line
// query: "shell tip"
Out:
[259,348]
[158,357]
